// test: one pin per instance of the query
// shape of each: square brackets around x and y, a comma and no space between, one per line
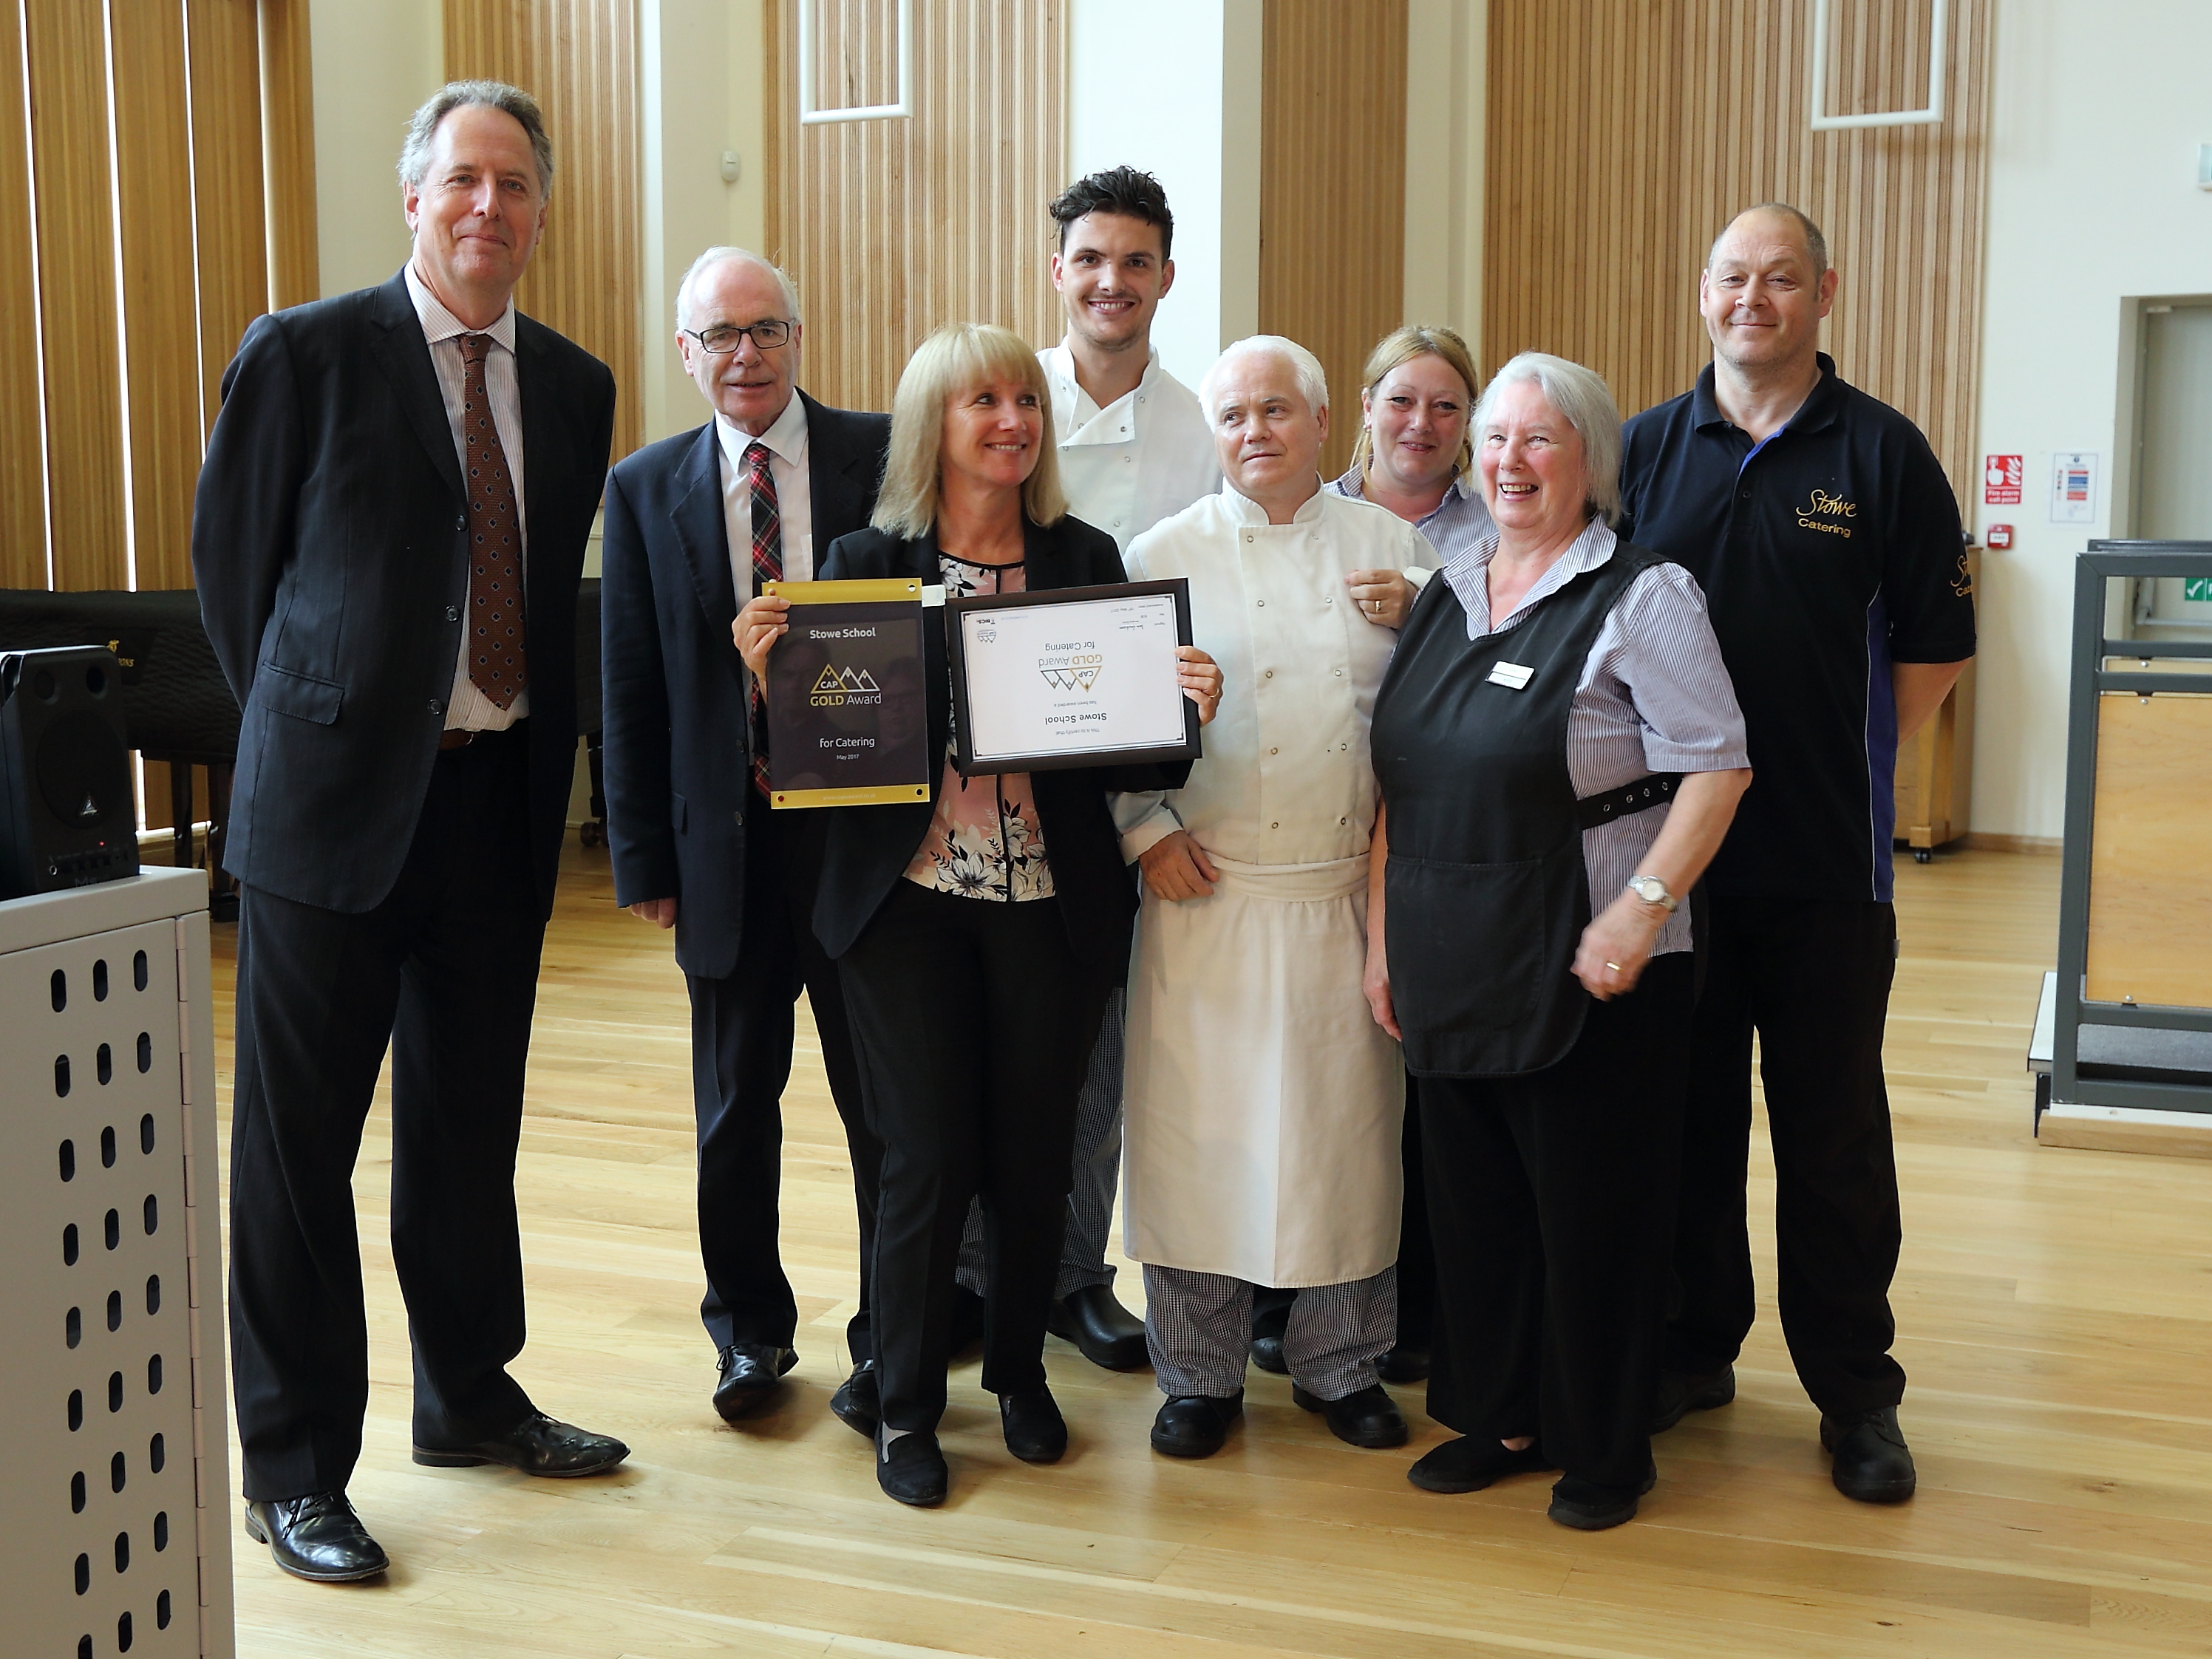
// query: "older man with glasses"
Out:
[694,524]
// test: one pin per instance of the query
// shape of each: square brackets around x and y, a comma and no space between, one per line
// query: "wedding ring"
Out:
[1615,966]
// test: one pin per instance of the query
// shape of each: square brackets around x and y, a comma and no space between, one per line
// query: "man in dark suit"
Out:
[694,524]
[387,463]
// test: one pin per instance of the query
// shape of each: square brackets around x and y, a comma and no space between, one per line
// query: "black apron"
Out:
[1485,893]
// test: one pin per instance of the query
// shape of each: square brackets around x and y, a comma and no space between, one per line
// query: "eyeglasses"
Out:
[767,334]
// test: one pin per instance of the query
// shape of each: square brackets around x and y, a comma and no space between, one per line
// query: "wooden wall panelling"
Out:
[223,59]
[2149,909]
[22,447]
[892,227]
[1333,188]
[288,127]
[154,197]
[579,58]
[1621,137]
[66,48]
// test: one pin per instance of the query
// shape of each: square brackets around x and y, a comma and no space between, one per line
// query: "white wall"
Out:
[1447,51]
[372,67]
[2097,115]
[1173,86]
[703,90]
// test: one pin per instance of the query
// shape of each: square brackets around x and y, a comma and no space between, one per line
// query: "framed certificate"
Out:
[848,697]
[1075,676]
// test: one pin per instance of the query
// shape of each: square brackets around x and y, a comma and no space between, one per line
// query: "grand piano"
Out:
[178,708]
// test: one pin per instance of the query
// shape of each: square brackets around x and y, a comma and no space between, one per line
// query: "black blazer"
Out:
[330,549]
[869,846]
[677,762]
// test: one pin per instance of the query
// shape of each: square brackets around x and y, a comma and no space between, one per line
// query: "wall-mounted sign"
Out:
[2074,488]
[2001,478]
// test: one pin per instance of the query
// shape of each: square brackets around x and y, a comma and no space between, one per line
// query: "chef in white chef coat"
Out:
[1263,1104]
[1134,448]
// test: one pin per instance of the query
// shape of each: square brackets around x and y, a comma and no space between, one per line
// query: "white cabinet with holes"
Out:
[115,1512]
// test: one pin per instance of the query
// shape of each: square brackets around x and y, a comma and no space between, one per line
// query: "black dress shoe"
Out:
[1683,1392]
[1873,1463]
[1370,1417]
[1474,1462]
[912,1469]
[536,1445]
[1036,1432]
[1588,1506]
[1108,1332]
[318,1537]
[857,1404]
[748,1375]
[1268,1324]
[1404,1365]
[1195,1425]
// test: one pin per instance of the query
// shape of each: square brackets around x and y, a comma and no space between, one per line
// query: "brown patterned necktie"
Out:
[497,664]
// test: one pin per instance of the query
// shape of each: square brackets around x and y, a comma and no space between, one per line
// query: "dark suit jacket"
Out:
[677,740]
[869,846]
[330,549]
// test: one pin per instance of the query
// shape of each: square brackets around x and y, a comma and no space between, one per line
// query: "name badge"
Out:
[1511,675]
[932,597]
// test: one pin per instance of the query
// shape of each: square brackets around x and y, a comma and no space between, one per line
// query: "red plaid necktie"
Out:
[497,664]
[767,567]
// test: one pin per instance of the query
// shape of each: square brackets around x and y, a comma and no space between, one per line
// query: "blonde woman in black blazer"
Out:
[976,935]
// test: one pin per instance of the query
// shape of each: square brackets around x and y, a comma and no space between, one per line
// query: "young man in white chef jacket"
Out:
[1264,1109]
[1134,448]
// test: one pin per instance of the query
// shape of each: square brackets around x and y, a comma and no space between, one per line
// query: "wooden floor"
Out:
[2053,1310]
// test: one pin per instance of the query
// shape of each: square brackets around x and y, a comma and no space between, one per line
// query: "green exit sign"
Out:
[2197,587]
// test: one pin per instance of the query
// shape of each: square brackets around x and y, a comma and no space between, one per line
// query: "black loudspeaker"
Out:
[67,818]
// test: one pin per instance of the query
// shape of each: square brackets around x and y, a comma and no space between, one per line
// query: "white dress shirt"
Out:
[468,708]
[1143,458]
[786,441]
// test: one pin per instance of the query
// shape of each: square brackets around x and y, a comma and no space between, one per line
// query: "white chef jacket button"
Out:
[1263,603]
[1274,826]
[1270,674]
[1247,537]
[1274,752]
[1340,673]
[1344,820]
[1141,397]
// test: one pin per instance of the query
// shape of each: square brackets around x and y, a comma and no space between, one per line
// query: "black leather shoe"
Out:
[1195,1425]
[1108,1334]
[1683,1392]
[856,1404]
[1873,1463]
[912,1470]
[318,1537]
[1370,1417]
[1588,1507]
[1474,1462]
[1404,1365]
[1036,1432]
[748,1375]
[1269,1324]
[536,1445]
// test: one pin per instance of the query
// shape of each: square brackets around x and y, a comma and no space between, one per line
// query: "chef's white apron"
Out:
[1264,1103]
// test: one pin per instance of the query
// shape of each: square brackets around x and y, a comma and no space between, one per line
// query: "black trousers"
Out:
[1552,1199]
[973,1022]
[445,972]
[1417,1255]
[1812,978]
[741,1050]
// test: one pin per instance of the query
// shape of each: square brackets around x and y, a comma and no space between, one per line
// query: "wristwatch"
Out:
[1652,891]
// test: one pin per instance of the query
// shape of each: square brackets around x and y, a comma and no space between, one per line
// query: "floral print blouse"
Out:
[983,841]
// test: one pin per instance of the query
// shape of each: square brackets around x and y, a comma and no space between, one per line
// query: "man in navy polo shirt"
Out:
[1826,539]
